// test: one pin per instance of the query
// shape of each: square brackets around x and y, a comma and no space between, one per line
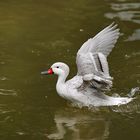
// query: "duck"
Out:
[89,86]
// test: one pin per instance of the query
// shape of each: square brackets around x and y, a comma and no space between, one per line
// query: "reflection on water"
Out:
[80,126]
[93,123]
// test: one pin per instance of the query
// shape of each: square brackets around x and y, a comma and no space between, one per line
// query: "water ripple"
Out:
[3,78]
[132,16]
[124,6]
[126,12]
[6,92]
[134,36]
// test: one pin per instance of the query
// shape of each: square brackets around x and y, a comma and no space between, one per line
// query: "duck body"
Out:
[89,96]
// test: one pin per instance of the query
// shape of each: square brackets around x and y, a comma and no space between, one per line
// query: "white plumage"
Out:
[93,79]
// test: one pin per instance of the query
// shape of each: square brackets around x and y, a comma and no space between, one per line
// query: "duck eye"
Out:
[57,67]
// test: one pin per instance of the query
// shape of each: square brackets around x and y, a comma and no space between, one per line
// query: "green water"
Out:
[36,33]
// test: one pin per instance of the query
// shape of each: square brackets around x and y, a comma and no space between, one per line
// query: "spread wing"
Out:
[103,42]
[92,58]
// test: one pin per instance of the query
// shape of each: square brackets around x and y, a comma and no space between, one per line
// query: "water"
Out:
[36,33]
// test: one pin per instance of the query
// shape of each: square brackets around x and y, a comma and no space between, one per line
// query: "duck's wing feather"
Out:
[103,42]
[91,58]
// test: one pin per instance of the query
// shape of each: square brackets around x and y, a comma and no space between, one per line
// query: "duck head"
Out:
[57,68]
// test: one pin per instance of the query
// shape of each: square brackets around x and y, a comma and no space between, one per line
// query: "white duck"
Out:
[93,79]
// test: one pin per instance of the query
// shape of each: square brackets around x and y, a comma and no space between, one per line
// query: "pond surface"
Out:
[36,33]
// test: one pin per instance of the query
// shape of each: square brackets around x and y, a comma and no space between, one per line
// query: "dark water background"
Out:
[36,33]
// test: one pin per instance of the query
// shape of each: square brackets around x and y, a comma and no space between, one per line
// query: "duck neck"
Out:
[61,86]
[61,79]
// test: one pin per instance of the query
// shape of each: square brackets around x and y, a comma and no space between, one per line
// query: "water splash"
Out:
[132,107]
[133,92]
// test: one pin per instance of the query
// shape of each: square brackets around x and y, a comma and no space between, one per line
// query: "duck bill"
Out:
[48,72]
